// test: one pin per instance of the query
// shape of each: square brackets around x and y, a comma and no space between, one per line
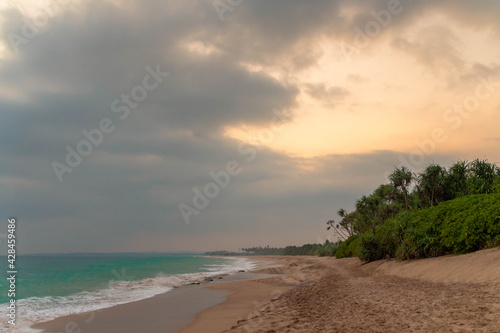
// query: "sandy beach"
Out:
[311,294]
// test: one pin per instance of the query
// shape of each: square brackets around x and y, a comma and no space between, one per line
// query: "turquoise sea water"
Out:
[51,286]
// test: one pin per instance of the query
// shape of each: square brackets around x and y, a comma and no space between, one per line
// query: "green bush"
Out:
[496,185]
[328,249]
[351,247]
[383,244]
[472,224]
[462,225]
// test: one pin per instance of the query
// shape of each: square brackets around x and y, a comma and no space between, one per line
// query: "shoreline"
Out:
[166,312]
[243,297]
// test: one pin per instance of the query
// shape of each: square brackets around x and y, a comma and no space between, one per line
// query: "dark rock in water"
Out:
[241,271]
[209,280]
[220,277]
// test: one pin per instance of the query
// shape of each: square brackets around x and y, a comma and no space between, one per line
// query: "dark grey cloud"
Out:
[327,95]
[435,47]
[479,71]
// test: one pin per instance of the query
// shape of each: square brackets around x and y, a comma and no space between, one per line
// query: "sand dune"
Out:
[477,267]
[446,294]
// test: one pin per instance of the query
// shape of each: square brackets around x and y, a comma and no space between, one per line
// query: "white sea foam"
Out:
[34,310]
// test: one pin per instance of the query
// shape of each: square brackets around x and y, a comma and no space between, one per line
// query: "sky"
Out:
[201,125]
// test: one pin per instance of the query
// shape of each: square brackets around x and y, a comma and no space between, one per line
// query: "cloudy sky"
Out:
[253,120]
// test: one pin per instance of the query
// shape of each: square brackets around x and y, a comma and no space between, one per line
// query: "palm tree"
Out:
[401,178]
[481,174]
[337,228]
[431,185]
[345,228]
[456,180]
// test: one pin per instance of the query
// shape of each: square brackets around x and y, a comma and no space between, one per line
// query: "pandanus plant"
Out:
[402,178]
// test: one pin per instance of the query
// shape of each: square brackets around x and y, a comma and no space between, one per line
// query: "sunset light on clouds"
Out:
[405,81]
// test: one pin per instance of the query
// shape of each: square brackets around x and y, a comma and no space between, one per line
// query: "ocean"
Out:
[52,286]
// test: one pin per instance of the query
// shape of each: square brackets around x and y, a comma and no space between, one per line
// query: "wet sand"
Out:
[163,313]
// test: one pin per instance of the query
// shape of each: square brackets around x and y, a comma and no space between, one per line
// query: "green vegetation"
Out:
[321,250]
[435,212]
[252,251]
[439,211]
[349,248]
[328,249]
[264,251]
